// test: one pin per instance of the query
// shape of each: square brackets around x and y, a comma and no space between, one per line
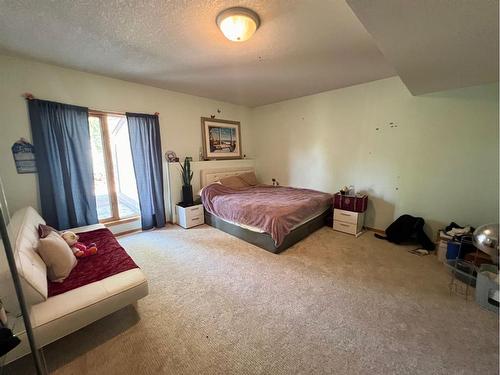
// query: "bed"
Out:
[272,218]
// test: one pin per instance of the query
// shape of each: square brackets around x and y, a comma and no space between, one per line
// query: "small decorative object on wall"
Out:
[187,188]
[171,156]
[221,139]
[24,156]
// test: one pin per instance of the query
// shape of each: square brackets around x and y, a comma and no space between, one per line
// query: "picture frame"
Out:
[221,139]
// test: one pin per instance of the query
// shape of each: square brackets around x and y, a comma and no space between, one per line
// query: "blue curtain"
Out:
[63,156]
[145,144]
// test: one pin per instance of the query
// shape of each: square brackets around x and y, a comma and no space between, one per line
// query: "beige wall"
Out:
[434,156]
[179,114]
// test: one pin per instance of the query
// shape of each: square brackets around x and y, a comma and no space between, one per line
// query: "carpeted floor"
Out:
[330,304]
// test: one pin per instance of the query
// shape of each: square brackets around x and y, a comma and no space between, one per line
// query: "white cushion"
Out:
[23,235]
[67,312]
[57,256]
[23,229]
[77,299]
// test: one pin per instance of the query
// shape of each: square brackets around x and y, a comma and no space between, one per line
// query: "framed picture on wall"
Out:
[221,139]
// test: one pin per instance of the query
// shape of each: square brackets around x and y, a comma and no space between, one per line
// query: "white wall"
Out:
[440,162]
[179,114]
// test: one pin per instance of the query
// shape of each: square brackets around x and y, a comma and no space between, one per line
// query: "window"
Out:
[114,179]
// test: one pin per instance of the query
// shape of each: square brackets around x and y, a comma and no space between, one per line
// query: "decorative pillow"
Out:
[201,190]
[234,182]
[44,230]
[58,257]
[250,178]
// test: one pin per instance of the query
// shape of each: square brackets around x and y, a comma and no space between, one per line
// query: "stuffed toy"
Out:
[79,249]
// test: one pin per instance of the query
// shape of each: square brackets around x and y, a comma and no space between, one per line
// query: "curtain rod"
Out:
[29,96]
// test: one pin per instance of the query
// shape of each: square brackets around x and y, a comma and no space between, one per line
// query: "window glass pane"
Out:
[99,166]
[126,188]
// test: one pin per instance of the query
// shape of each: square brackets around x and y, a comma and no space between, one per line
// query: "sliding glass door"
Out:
[114,179]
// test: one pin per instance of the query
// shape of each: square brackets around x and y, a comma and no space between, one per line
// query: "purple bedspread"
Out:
[274,210]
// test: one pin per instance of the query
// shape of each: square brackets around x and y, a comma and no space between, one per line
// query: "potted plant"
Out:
[187,176]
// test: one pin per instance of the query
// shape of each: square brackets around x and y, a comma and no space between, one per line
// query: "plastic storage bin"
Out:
[355,203]
[453,250]
[463,271]
[487,288]
[442,250]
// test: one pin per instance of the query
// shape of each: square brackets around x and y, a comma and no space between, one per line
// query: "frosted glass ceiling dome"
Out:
[238,24]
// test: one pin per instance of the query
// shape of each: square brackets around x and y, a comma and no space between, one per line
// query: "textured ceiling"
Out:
[302,47]
[435,45]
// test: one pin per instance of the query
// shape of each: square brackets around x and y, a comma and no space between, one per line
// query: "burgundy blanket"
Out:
[110,260]
[274,210]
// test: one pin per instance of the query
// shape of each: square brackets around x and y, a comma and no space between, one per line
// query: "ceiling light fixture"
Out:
[238,24]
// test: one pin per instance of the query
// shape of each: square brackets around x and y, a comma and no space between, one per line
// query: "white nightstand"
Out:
[348,221]
[188,217]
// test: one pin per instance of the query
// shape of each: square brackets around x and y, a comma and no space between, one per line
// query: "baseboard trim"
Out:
[379,231]
[127,232]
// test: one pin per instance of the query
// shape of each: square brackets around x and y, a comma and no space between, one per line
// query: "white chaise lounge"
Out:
[60,315]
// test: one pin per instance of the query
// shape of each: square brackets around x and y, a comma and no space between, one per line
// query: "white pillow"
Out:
[58,257]
[23,234]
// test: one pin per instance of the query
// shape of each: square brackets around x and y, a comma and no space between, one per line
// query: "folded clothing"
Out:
[459,231]
[455,230]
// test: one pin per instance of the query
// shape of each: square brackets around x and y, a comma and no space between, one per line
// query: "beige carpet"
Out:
[330,304]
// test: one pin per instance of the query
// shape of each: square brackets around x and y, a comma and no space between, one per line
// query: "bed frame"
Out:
[262,240]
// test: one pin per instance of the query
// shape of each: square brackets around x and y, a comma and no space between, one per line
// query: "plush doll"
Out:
[79,249]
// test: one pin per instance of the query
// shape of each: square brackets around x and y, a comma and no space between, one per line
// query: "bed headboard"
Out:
[209,176]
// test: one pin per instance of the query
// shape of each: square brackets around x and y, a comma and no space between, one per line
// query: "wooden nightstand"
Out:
[348,221]
[191,216]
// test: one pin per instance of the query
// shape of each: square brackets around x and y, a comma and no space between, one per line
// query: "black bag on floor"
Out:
[7,341]
[407,228]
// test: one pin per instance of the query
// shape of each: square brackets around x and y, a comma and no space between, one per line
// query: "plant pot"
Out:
[187,194]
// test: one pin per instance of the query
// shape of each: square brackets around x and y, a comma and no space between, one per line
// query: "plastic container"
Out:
[442,250]
[464,271]
[487,289]
[355,203]
[453,250]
